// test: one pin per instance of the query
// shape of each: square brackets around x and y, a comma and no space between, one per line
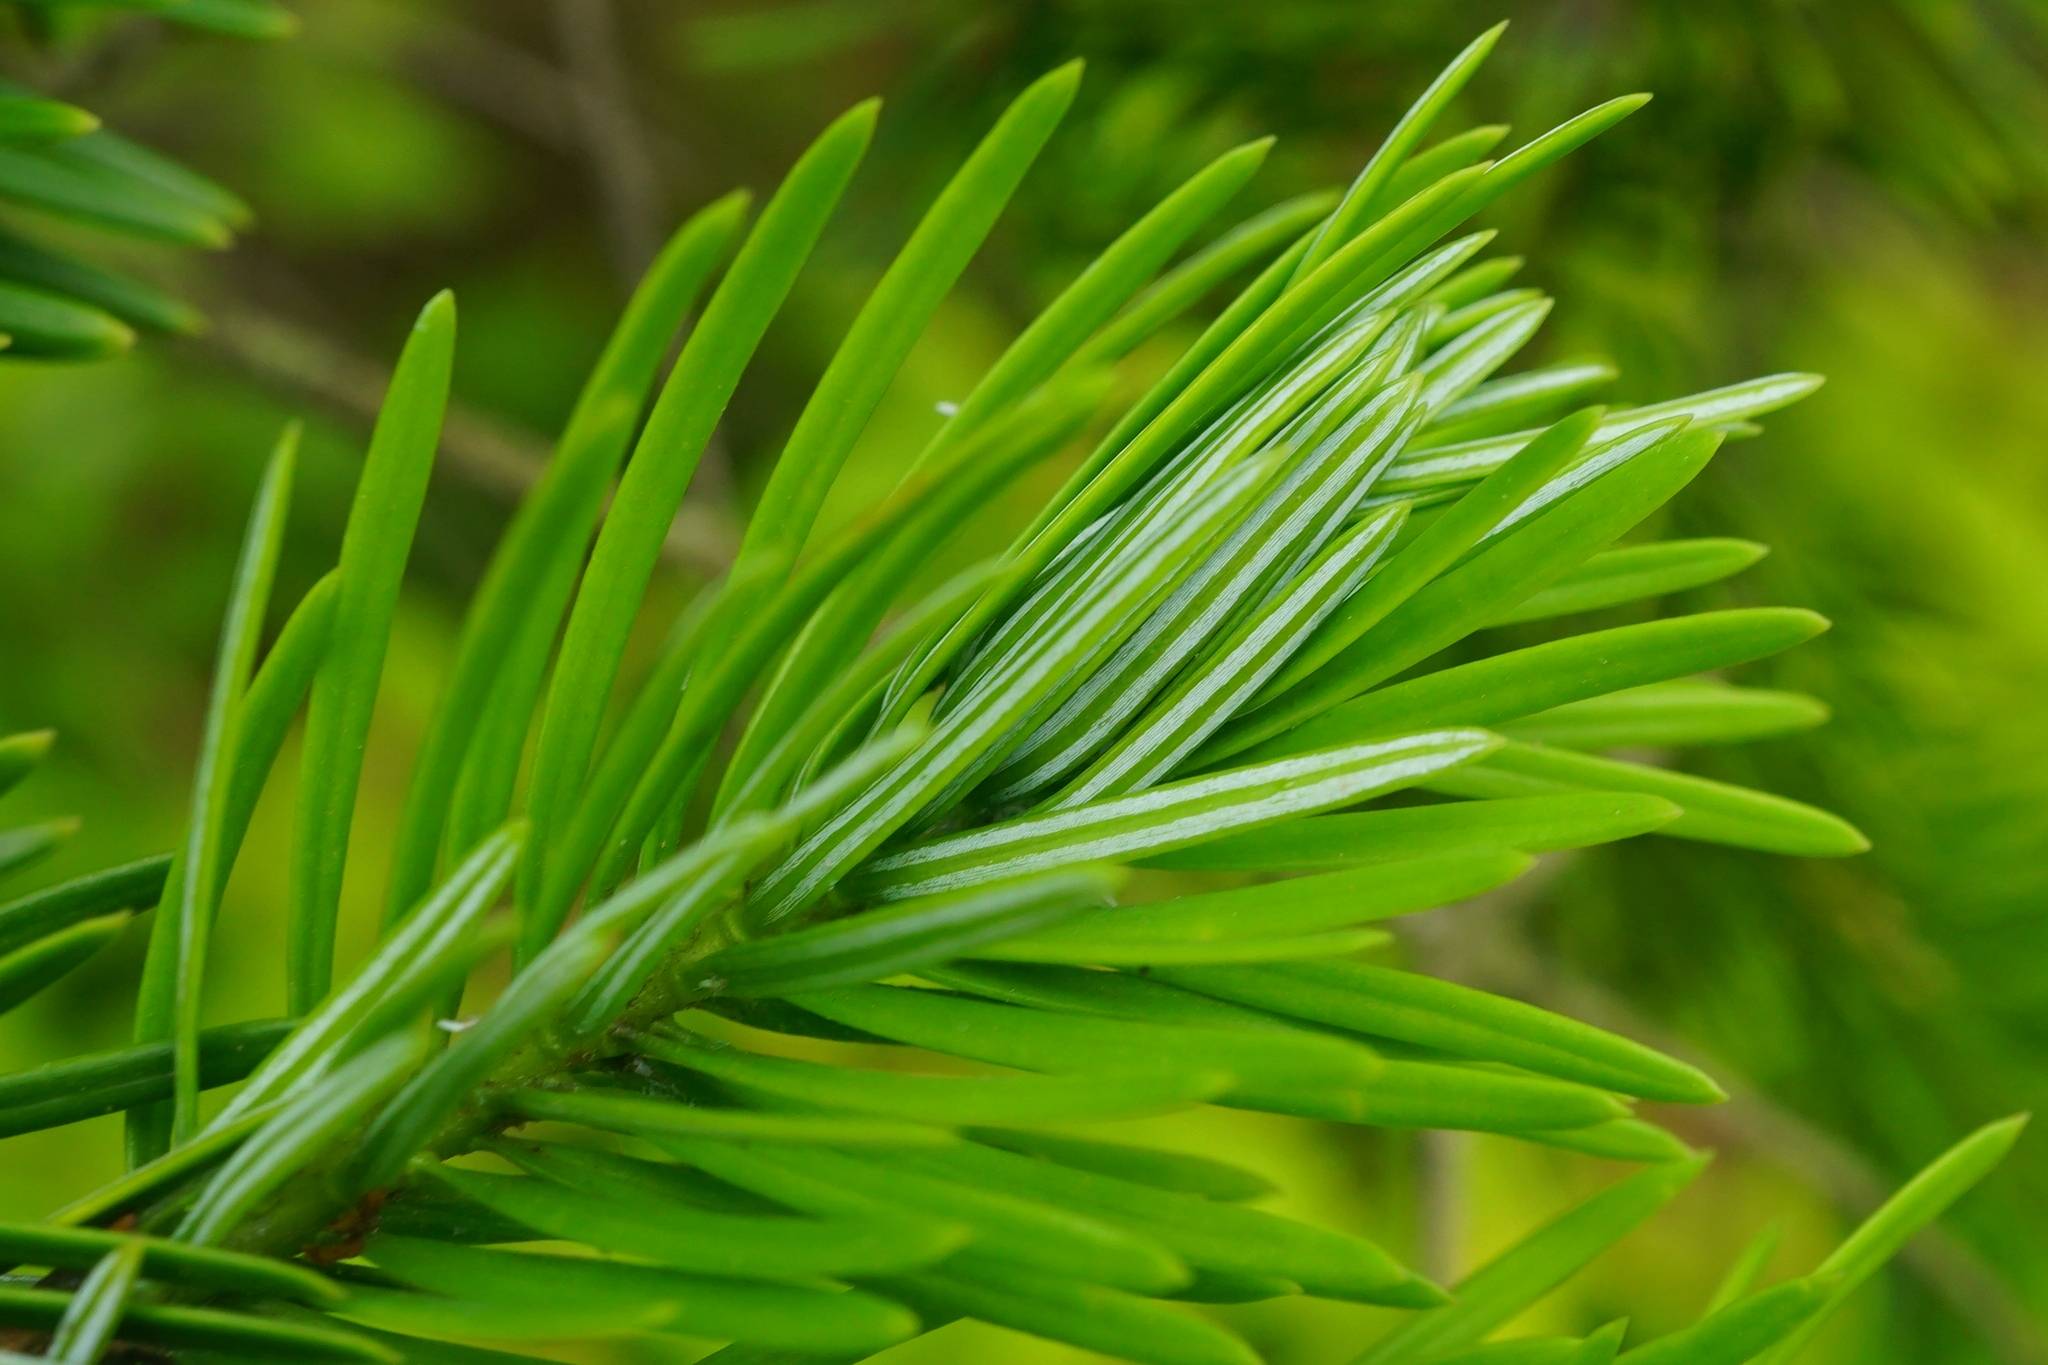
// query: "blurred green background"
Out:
[1856,187]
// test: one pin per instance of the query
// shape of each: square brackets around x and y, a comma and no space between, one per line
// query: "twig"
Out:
[1500,958]
[500,80]
[621,166]
[1443,1157]
[1443,1166]
[1485,943]
[302,363]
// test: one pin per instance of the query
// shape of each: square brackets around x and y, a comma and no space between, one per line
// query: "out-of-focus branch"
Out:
[584,109]
[1443,1157]
[599,92]
[1443,1168]
[598,87]
[480,71]
[1494,954]
[93,68]
[301,363]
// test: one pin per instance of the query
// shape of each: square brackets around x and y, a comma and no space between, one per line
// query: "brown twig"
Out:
[476,69]
[1495,954]
[303,364]
[599,93]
